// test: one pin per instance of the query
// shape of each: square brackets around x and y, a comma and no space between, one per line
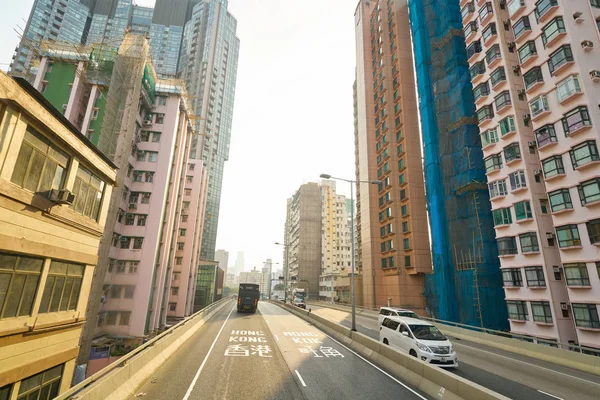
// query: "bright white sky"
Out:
[293,116]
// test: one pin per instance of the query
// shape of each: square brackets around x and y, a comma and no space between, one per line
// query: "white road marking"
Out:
[526,363]
[301,380]
[189,391]
[551,395]
[277,338]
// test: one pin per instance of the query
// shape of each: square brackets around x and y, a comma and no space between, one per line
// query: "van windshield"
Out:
[408,314]
[426,332]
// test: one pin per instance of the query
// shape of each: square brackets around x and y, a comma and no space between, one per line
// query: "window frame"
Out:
[553,166]
[581,278]
[567,201]
[537,275]
[583,197]
[546,315]
[512,277]
[573,238]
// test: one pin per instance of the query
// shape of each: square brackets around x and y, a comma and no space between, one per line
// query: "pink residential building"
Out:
[536,81]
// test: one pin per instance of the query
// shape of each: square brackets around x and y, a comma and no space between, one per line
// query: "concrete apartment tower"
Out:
[222,257]
[208,64]
[392,219]
[51,225]
[536,77]
[303,235]
[336,242]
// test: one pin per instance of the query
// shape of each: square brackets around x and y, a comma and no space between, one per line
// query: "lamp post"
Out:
[352,182]
[286,271]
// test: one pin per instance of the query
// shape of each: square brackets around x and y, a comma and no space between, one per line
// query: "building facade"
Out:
[222,257]
[392,218]
[54,192]
[537,92]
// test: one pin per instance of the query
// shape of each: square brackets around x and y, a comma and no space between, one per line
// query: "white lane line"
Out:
[524,362]
[551,395]
[277,338]
[189,391]
[301,380]
[375,366]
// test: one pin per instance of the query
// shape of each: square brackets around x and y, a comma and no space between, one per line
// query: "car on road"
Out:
[395,312]
[299,302]
[420,339]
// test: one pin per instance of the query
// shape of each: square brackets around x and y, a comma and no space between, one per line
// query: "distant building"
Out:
[255,277]
[51,227]
[240,264]
[222,257]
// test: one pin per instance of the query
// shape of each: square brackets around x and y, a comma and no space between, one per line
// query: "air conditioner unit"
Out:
[549,235]
[557,269]
[517,69]
[147,122]
[577,17]
[587,45]
[595,75]
[132,206]
[533,143]
[511,45]
[62,196]
[537,172]
[564,306]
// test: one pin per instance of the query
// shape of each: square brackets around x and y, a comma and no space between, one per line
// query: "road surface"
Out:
[268,355]
[506,373]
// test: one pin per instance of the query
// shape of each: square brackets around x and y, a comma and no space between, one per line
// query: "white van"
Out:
[419,339]
[395,312]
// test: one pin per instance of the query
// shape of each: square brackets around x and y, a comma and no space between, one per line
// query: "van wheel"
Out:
[385,341]
[413,353]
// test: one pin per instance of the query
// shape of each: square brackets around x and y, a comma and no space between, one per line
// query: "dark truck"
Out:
[248,297]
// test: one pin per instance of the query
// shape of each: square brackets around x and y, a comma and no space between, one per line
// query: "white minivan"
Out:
[420,339]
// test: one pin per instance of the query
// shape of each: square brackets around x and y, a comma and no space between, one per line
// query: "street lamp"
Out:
[286,271]
[352,182]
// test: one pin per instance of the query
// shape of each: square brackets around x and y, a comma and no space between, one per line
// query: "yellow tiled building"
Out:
[54,191]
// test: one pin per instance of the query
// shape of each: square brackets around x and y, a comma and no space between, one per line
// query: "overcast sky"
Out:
[293,116]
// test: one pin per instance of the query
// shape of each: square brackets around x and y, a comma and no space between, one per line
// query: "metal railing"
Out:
[129,356]
[507,334]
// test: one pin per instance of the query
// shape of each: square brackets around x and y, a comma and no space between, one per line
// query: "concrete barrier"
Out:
[121,379]
[431,380]
[566,358]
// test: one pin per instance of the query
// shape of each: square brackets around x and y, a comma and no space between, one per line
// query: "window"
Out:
[121,267]
[541,311]
[523,210]
[407,262]
[184,218]
[545,135]
[406,243]
[507,246]
[568,236]
[512,152]
[149,176]
[593,228]
[589,191]
[507,125]
[111,318]
[141,155]
[517,310]
[182,232]
[521,26]
[485,11]
[468,9]
[124,318]
[586,315]
[502,216]
[130,219]
[529,242]
[567,88]
[543,6]
[180,245]
[473,48]
[144,136]
[133,267]
[512,277]
[19,277]
[539,105]
[172,306]
[137,243]
[481,90]
[552,30]
[162,100]
[404,210]
[577,274]
[152,156]
[405,226]
[125,242]
[401,164]
[402,179]
[560,200]
[559,58]
[146,198]
[137,176]
[160,118]
[544,206]
[535,276]
[553,166]
[129,289]
[497,76]
[178,260]
[533,76]
[488,32]
[576,119]
[497,188]
[141,220]
[470,28]
[492,54]
[477,69]
[489,137]
[493,162]
[403,194]
[527,51]
[40,166]
[45,385]
[502,100]
[584,153]
[485,113]
[88,190]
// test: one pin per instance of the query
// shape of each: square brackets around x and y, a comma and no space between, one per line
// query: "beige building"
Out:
[392,221]
[54,186]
